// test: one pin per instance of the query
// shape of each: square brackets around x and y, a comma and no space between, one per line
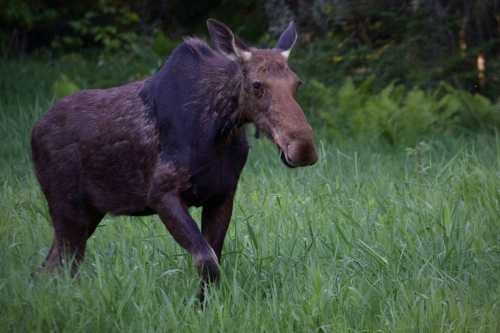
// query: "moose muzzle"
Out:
[299,153]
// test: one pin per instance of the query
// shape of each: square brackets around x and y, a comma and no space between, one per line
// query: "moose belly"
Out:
[116,176]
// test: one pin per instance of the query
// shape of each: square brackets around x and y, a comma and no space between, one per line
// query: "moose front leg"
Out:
[183,228]
[215,222]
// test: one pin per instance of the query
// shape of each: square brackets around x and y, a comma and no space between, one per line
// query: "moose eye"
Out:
[257,88]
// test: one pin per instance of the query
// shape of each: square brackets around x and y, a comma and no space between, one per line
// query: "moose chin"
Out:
[169,142]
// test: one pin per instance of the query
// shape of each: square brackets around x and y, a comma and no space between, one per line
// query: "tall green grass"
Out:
[372,238]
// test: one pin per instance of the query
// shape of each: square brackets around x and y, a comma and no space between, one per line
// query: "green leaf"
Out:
[64,86]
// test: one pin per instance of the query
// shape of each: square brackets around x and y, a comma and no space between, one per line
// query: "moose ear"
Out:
[287,40]
[225,41]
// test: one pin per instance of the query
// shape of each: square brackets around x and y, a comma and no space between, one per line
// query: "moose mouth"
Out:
[285,160]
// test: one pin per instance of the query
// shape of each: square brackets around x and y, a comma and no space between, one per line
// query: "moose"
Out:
[167,143]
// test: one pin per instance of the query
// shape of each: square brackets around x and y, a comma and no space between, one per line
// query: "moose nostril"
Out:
[302,153]
[285,160]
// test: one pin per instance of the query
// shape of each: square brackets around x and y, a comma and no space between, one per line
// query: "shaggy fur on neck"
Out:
[197,89]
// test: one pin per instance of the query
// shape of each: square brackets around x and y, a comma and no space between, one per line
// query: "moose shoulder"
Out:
[169,142]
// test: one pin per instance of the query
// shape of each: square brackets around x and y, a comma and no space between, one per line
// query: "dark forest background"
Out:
[397,69]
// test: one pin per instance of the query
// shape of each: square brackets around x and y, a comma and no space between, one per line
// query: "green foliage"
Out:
[407,43]
[396,114]
[415,43]
[162,45]
[476,111]
[105,24]
[112,27]
[26,15]
[64,86]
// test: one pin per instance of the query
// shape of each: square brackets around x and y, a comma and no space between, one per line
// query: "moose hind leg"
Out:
[73,225]
[74,219]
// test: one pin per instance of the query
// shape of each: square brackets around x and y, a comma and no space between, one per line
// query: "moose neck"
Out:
[195,100]
[225,100]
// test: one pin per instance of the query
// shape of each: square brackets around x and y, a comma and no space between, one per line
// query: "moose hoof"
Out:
[209,273]
[208,270]
[208,266]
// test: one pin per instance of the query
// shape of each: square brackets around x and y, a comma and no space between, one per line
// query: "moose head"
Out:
[268,92]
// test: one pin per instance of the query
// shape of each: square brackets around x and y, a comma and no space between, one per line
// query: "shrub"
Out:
[396,114]
[64,86]
[109,26]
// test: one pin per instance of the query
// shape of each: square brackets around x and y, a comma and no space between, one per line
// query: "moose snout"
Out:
[300,153]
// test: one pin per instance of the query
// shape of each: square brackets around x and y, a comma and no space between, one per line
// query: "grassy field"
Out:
[372,238]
